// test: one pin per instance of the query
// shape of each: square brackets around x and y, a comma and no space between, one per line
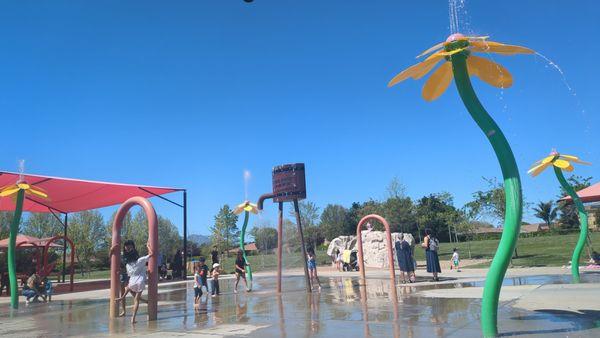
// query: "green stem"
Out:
[583,220]
[12,243]
[242,236]
[512,191]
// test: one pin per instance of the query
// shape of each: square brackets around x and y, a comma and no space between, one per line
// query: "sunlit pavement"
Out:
[531,305]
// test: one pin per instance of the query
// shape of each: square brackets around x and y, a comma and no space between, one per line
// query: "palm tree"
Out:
[546,212]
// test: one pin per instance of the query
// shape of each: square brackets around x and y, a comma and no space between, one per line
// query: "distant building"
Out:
[248,247]
[525,229]
[533,228]
[487,230]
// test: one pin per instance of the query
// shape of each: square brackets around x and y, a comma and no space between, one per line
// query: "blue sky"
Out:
[191,93]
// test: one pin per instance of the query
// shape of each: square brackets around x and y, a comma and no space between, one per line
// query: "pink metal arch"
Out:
[115,255]
[388,235]
[72,268]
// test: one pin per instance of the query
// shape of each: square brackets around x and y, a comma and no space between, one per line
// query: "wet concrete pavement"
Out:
[341,309]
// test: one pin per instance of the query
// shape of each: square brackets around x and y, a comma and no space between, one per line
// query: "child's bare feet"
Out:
[122,314]
[133,321]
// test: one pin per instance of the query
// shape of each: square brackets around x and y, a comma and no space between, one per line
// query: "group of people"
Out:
[202,272]
[408,264]
[37,287]
[34,288]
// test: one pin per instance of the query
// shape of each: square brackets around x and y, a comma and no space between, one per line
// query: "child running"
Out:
[240,271]
[455,261]
[215,279]
[312,267]
[136,269]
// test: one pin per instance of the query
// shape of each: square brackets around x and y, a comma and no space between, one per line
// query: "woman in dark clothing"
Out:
[431,245]
[405,260]
[177,264]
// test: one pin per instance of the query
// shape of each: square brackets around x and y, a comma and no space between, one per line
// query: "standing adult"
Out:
[431,245]
[183,267]
[404,257]
[214,255]
[177,264]
[4,283]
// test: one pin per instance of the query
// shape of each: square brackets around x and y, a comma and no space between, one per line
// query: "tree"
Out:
[437,213]
[225,233]
[291,237]
[546,212]
[87,230]
[313,236]
[569,217]
[399,212]
[5,220]
[309,214]
[42,225]
[367,208]
[396,189]
[333,221]
[169,239]
[265,238]
[488,203]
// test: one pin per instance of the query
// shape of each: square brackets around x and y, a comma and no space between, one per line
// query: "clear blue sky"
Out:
[191,93]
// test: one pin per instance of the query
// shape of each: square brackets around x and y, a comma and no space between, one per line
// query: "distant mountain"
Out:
[199,239]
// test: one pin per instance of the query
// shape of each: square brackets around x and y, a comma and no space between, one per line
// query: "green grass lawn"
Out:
[268,262]
[553,250]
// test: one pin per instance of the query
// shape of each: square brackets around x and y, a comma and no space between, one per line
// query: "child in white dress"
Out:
[136,269]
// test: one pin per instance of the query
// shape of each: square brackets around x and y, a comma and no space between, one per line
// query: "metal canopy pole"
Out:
[303,247]
[66,223]
[185,252]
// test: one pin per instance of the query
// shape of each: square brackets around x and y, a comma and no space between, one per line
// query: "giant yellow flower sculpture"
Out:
[12,189]
[459,51]
[560,161]
[17,192]
[488,71]
[246,206]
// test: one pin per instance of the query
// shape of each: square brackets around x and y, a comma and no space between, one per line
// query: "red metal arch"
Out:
[388,235]
[115,255]
[72,268]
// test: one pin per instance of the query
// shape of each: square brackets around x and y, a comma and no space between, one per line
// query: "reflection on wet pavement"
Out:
[342,309]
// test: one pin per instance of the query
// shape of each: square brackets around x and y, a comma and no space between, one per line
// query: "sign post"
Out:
[289,185]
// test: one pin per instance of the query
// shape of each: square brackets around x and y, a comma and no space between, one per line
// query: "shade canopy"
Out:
[66,195]
[589,194]
[25,241]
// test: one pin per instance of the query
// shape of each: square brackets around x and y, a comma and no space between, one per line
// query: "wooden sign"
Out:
[289,182]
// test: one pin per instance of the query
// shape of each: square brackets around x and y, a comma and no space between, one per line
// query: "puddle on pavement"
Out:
[342,308]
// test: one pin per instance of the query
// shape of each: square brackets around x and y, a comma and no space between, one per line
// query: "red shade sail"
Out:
[66,195]
[589,194]
[25,241]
